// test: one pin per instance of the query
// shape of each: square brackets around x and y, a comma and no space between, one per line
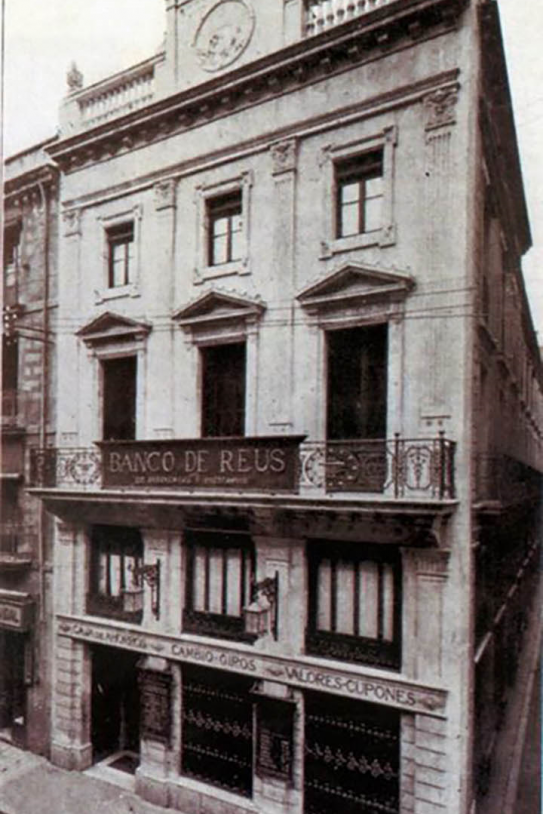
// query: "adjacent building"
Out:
[29,282]
[296,471]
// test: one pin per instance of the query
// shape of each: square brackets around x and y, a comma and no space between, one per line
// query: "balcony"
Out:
[419,469]
[117,96]
[398,468]
[17,542]
[321,15]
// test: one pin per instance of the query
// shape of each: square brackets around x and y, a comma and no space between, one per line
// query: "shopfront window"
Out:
[220,570]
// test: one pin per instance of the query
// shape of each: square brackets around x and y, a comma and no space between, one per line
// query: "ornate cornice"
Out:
[305,62]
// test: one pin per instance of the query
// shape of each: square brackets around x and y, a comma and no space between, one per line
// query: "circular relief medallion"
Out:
[223,34]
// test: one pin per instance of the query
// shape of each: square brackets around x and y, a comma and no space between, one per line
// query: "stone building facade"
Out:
[289,552]
[28,394]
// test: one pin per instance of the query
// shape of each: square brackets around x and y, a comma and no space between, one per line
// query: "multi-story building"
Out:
[28,378]
[299,412]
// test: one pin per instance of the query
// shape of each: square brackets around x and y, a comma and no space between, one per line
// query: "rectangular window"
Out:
[119,398]
[220,570]
[359,194]
[354,604]
[120,245]
[225,229]
[357,383]
[116,554]
[223,390]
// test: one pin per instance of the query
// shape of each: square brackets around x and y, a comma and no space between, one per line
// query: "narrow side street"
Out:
[31,785]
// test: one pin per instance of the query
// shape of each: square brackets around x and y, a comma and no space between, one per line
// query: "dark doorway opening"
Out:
[119,403]
[357,383]
[12,685]
[115,719]
[223,408]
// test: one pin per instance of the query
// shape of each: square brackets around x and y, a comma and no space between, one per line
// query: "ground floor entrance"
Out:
[12,682]
[217,729]
[115,713]
[352,757]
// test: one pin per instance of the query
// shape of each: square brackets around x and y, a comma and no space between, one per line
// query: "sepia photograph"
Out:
[271,406]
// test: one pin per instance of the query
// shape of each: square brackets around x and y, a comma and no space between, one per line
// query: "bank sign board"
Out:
[259,464]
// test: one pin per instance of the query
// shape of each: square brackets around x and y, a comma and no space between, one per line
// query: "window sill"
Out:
[356,649]
[381,237]
[106,294]
[237,268]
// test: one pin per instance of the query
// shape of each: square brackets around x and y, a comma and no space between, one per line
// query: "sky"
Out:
[105,36]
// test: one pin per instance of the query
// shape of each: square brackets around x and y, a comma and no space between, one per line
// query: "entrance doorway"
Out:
[115,707]
[12,686]
[119,398]
[352,757]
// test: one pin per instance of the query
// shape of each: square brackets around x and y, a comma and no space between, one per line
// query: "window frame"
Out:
[224,207]
[359,171]
[107,225]
[333,158]
[373,651]
[206,622]
[119,236]
[205,195]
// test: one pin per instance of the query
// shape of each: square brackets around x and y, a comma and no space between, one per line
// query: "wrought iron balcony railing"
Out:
[396,468]
[324,14]
[399,468]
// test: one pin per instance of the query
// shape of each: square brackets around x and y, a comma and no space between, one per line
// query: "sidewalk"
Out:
[31,785]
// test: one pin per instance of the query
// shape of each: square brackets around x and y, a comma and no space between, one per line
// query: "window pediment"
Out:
[111,327]
[355,284]
[216,308]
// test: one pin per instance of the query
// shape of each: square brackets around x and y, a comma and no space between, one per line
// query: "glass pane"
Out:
[388,603]
[350,217]
[368,606]
[324,596]
[115,570]
[129,261]
[220,250]
[345,597]
[118,261]
[350,192]
[220,227]
[233,593]
[373,218]
[215,580]
[237,240]
[374,187]
[199,579]
[103,564]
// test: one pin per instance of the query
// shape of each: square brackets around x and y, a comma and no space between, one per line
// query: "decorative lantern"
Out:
[133,600]
[260,616]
